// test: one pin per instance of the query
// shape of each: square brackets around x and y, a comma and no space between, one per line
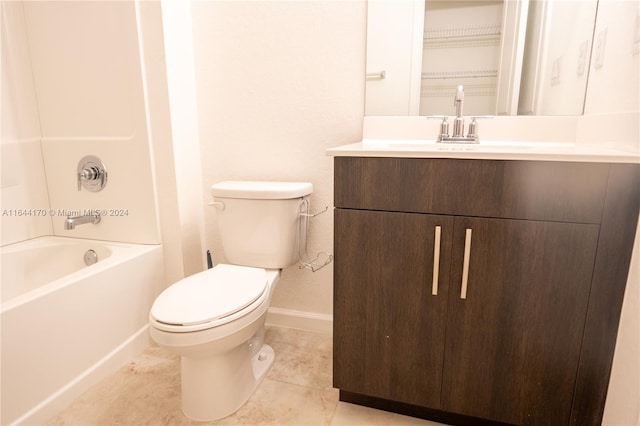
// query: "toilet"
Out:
[215,319]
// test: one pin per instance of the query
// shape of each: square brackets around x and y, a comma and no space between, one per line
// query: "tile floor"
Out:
[297,391]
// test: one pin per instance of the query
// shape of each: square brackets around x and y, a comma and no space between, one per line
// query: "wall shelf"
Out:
[461,46]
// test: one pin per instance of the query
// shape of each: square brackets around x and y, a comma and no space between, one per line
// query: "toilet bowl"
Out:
[215,319]
[218,331]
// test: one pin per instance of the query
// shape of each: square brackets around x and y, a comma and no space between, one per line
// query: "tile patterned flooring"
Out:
[297,391]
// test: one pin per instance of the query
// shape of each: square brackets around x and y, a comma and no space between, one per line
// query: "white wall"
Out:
[612,106]
[615,86]
[623,398]
[561,87]
[394,45]
[278,83]
[23,182]
[178,48]
[612,115]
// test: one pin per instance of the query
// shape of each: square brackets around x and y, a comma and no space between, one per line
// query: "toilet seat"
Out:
[209,298]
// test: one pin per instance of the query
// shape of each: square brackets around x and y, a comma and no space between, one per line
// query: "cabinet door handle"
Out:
[436,261]
[465,264]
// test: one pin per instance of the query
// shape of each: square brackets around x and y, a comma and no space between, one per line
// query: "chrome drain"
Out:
[90,257]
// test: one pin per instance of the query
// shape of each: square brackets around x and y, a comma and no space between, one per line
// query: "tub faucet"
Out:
[71,222]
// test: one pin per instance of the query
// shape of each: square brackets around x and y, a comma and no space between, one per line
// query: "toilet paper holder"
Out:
[322,259]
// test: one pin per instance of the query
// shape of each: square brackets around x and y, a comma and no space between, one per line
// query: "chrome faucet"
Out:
[71,222]
[458,124]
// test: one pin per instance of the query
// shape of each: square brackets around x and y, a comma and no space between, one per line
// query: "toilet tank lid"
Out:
[261,190]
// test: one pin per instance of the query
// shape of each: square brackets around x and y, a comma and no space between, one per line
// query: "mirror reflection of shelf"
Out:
[469,36]
[457,32]
[436,75]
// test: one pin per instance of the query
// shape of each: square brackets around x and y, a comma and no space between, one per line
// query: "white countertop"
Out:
[498,150]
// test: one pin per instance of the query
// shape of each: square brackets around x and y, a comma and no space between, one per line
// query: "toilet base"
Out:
[216,387]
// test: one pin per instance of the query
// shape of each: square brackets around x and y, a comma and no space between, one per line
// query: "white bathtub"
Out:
[65,325]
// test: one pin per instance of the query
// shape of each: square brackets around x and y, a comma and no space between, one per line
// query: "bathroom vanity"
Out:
[480,288]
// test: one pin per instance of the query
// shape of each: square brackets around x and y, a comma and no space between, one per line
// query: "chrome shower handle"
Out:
[91,173]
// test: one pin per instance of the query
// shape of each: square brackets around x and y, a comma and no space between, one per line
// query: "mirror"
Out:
[524,57]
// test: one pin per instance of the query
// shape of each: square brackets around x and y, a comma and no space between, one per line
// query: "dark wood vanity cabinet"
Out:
[389,334]
[469,290]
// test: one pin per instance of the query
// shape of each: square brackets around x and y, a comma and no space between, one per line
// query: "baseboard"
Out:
[309,321]
[111,362]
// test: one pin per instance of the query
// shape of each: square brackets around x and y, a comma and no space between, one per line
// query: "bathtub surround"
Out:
[72,78]
[20,146]
[23,193]
[90,101]
[74,96]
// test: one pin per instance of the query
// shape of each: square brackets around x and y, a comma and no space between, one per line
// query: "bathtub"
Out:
[65,325]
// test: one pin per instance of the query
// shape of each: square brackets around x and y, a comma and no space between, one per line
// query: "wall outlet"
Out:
[601,41]
[582,57]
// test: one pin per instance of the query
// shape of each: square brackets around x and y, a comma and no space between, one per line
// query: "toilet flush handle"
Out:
[217,204]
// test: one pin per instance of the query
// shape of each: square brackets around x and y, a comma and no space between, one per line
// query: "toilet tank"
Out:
[260,223]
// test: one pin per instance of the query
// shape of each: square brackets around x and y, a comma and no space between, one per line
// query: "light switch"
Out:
[582,57]
[601,41]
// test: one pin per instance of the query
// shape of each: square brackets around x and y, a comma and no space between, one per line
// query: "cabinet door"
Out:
[513,343]
[388,326]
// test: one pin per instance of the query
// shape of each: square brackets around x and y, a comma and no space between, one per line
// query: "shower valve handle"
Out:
[91,173]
